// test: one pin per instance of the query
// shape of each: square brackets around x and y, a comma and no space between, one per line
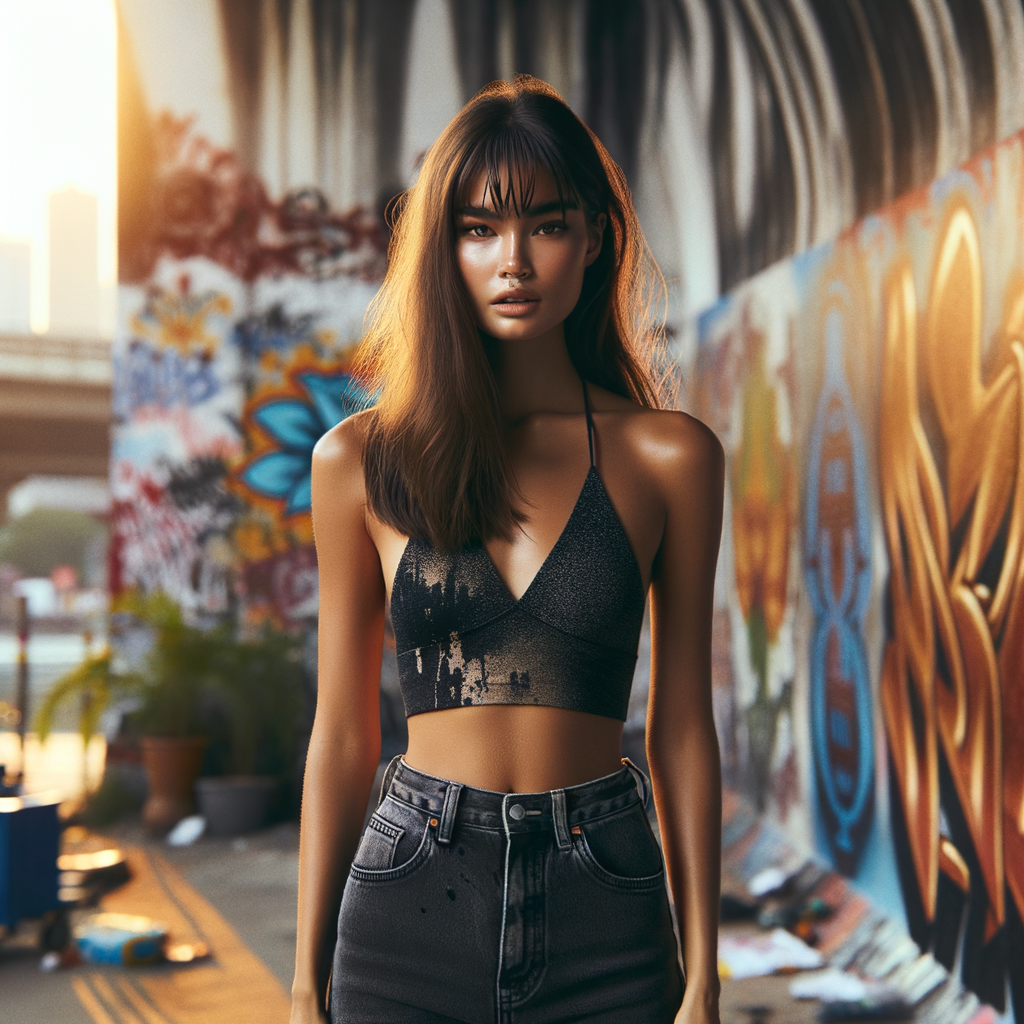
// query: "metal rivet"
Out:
[433,821]
[517,812]
[576,830]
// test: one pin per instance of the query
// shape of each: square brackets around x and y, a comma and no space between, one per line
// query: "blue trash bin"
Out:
[29,845]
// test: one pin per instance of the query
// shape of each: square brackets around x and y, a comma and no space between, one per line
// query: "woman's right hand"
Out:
[307,1009]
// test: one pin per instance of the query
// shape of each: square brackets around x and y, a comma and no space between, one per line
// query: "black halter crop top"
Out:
[569,642]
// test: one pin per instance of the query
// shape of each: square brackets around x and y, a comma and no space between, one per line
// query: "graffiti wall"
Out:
[869,389]
[238,314]
[870,684]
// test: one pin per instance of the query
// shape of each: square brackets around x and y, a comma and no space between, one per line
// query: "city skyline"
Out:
[76,298]
[58,129]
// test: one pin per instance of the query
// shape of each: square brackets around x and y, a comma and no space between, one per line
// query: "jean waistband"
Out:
[555,810]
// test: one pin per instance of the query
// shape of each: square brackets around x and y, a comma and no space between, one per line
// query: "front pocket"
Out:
[376,851]
[395,842]
[620,849]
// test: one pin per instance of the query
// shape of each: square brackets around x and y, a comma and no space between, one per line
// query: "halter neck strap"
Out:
[590,422]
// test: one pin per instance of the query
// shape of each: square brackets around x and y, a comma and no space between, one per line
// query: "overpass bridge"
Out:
[55,410]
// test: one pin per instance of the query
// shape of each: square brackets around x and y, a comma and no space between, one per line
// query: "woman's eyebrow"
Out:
[479,211]
[555,204]
[487,213]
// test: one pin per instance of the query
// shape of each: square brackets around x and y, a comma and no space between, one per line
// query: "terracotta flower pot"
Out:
[172,766]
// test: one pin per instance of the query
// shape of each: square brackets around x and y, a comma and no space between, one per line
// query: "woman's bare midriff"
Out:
[514,748]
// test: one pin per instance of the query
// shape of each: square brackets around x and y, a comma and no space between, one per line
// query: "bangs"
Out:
[510,158]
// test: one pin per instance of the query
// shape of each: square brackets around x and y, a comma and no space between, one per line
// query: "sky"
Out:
[57,125]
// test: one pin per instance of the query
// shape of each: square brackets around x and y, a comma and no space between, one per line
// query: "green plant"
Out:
[166,687]
[196,682]
[258,690]
[93,683]
[179,668]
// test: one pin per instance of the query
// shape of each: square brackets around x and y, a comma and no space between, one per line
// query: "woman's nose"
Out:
[513,261]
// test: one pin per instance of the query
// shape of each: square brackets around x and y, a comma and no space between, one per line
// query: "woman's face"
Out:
[524,274]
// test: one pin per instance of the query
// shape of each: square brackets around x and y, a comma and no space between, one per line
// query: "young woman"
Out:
[512,498]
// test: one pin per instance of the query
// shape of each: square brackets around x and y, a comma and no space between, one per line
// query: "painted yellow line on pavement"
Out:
[92,1005]
[105,991]
[142,1008]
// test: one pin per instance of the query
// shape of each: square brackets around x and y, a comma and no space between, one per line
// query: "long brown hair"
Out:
[435,461]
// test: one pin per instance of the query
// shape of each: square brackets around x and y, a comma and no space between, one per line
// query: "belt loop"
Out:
[643,784]
[447,823]
[561,819]
[388,778]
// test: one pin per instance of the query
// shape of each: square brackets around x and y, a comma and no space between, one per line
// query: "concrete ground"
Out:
[26,995]
[253,882]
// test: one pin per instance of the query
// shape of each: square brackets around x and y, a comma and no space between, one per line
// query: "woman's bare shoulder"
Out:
[665,441]
[678,442]
[338,455]
[682,456]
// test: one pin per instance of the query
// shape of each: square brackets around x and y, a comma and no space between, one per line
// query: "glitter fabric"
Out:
[570,641]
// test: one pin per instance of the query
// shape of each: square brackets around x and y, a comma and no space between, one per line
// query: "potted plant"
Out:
[167,690]
[257,687]
[170,717]
[193,685]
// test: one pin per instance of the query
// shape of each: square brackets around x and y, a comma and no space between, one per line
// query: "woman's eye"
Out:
[477,230]
[551,229]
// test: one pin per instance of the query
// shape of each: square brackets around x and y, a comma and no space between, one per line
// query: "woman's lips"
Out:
[518,302]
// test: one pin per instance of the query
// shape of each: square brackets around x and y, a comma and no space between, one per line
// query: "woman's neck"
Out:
[537,375]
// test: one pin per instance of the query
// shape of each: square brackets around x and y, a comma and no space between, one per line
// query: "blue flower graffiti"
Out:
[295,425]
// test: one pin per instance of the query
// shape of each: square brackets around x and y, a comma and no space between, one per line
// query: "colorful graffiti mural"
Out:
[199,200]
[751,399]
[303,392]
[288,423]
[907,344]
[176,390]
[952,483]
[238,316]
[837,555]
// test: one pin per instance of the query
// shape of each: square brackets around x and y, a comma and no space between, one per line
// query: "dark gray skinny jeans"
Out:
[467,905]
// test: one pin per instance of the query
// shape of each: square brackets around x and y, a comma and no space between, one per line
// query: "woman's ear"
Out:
[595,232]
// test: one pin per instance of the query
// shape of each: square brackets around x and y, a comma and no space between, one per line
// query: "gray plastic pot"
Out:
[233,804]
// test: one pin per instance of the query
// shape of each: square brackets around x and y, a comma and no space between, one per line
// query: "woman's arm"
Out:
[344,748]
[682,747]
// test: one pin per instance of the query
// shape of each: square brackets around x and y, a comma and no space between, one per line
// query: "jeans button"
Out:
[517,812]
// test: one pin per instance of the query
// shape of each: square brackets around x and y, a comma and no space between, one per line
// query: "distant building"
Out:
[74,270]
[15,261]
